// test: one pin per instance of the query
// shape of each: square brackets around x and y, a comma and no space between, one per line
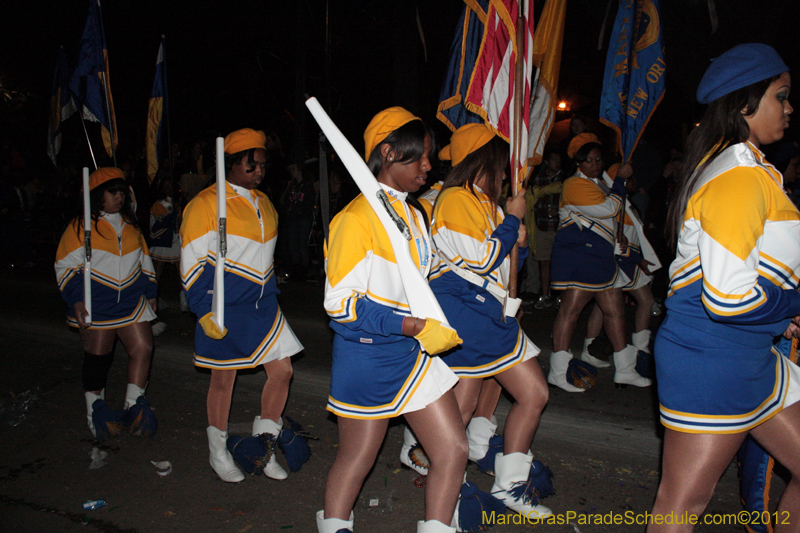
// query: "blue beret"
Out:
[739,67]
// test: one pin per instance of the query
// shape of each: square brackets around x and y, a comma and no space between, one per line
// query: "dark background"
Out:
[234,64]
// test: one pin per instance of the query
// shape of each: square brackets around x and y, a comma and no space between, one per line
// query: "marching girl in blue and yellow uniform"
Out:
[256,332]
[382,364]
[481,429]
[470,276]
[637,264]
[733,290]
[123,298]
[583,264]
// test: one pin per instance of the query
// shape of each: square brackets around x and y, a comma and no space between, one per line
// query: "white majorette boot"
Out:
[559,361]
[264,425]
[412,455]
[589,358]
[479,431]
[433,526]
[90,399]
[641,339]
[220,458]
[334,525]
[625,365]
[132,394]
[511,477]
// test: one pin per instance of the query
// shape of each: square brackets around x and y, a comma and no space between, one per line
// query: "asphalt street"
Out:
[603,445]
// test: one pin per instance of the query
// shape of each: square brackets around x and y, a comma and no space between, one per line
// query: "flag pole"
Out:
[88,142]
[218,298]
[87,248]
[519,88]
[111,119]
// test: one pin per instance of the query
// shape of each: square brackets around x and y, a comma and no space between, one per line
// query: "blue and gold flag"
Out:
[157,109]
[633,84]
[464,53]
[90,82]
[61,105]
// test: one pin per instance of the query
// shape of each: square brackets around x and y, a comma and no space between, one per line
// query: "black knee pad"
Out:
[95,370]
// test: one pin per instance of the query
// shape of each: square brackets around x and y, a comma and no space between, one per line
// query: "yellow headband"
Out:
[382,125]
[244,139]
[464,141]
[104,174]
[582,138]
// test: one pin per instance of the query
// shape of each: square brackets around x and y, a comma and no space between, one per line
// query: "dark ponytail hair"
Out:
[722,125]
[491,160]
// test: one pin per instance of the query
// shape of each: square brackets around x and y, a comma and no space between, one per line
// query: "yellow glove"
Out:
[436,337]
[210,327]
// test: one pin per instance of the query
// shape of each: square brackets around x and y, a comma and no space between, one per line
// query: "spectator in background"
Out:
[298,202]
[545,195]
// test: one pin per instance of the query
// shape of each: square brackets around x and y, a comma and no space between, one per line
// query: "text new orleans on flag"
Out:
[90,82]
[633,84]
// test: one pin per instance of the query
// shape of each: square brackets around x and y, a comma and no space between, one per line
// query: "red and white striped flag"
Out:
[492,88]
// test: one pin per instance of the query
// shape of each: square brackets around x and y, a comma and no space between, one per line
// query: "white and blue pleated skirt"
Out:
[712,384]
[384,380]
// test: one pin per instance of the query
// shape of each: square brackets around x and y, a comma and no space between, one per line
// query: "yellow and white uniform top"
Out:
[366,302]
[258,332]
[123,278]
[733,289]
[474,235]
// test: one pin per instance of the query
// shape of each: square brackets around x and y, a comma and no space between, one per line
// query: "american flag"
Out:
[480,83]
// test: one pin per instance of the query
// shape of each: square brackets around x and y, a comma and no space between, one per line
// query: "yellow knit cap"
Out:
[579,140]
[244,139]
[382,125]
[104,174]
[466,140]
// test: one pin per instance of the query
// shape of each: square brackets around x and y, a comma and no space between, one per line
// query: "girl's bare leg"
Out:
[572,303]
[218,401]
[359,443]
[138,342]
[441,432]
[692,464]
[526,383]
[276,388]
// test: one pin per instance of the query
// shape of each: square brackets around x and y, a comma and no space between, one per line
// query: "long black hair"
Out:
[491,160]
[722,125]
[96,199]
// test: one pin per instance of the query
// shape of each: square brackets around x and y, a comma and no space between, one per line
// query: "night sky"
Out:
[234,64]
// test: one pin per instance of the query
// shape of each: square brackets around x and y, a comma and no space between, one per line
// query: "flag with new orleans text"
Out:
[90,82]
[61,105]
[481,73]
[157,109]
[633,84]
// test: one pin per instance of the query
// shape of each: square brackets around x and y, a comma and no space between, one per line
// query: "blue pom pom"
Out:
[486,463]
[140,420]
[542,480]
[107,421]
[472,504]
[538,485]
[252,453]
[293,442]
[645,364]
[581,374]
